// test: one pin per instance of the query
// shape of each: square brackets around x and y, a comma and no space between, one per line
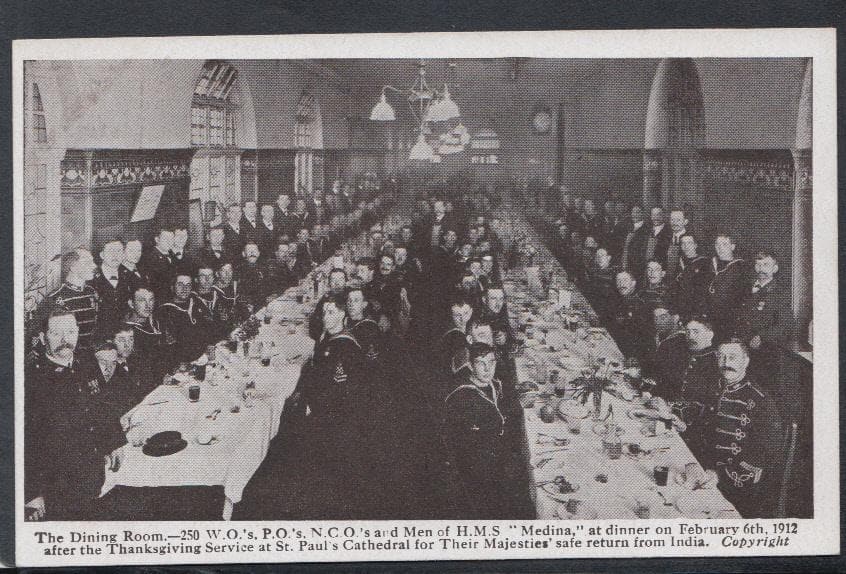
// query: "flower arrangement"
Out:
[592,385]
[248,330]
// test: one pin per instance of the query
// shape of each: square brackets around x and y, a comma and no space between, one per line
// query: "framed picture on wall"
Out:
[148,203]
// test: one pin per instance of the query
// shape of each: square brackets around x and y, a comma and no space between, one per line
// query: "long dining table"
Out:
[228,430]
[562,342]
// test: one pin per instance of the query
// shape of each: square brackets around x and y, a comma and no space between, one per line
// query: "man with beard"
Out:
[727,286]
[112,294]
[63,471]
[182,263]
[742,439]
[690,288]
[185,321]
[337,281]
[765,316]
[157,264]
[670,360]
[280,271]
[252,277]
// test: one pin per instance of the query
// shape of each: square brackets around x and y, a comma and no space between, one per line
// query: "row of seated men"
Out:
[104,339]
[715,326]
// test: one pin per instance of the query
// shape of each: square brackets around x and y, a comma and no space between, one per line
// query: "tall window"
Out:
[39,123]
[212,111]
[304,142]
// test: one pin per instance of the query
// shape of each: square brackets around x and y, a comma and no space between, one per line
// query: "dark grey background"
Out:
[103,18]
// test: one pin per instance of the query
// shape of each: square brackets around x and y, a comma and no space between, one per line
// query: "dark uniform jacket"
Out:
[742,441]
[113,301]
[280,276]
[689,290]
[214,258]
[217,309]
[182,263]
[767,314]
[188,326]
[370,338]
[234,241]
[84,303]
[149,339]
[655,296]
[252,279]
[231,308]
[304,259]
[727,286]
[700,388]
[160,270]
[669,365]
[132,278]
[61,462]
[267,238]
[602,288]
[249,231]
[631,326]
[334,384]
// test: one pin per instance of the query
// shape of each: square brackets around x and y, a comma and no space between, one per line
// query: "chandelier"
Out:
[429,106]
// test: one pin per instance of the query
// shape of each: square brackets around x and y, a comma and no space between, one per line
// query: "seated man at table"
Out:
[452,341]
[742,438]
[280,271]
[470,289]
[699,383]
[337,281]
[207,295]
[655,293]
[304,258]
[689,289]
[601,288]
[669,362]
[186,322]
[334,393]
[487,478]
[392,294]
[62,470]
[137,377]
[360,325]
[252,277]
[232,309]
[148,337]
[631,325]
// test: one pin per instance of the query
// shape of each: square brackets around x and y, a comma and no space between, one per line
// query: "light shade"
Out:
[382,111]
[421,149]
[443,109]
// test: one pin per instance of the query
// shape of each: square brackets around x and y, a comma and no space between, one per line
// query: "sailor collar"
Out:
[450,330]
[143,328]
[704,352]
[495,387]
[209,304]
[189,311]
[670,336]
[343,335]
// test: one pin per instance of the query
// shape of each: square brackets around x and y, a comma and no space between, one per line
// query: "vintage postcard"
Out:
[426,297]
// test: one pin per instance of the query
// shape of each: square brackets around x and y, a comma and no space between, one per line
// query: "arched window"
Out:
[39,122]
[485,147]
[213,113]
[308,164]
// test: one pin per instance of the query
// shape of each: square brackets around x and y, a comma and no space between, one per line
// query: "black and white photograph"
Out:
[409,288]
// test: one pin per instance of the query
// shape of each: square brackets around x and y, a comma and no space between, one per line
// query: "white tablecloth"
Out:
[630,481]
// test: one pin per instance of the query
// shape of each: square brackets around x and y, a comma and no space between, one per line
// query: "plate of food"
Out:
[573,410]
[605,429]
[559,488]
[574,509]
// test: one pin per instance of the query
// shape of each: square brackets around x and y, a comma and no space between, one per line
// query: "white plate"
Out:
[552,490]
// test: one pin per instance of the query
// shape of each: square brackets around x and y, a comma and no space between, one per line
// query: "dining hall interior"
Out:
[417,289]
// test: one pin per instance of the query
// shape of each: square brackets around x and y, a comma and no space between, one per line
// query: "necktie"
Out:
[756,287]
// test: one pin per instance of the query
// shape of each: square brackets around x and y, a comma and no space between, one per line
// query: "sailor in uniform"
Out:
[726,288]
[669,363]
[129,273]
[654,293]
[479,451]
[689,290]
[185,321]
[364,329]
[157,264]
[211,298]
[112,293]
[148,338]
[742,438]
[231,310]
[698,394]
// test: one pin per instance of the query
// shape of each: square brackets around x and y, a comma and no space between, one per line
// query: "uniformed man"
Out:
[305,261]
[267,230]
[699,383]
[337,282]
[280,271]
[742,438]
[283,215]
[334,392]
[392,294]
[148,337]
[110,398]
[231,308]
[479,449]
[634,247]
[63,472]
[658,240]
[363,328]
[450,343]
[129,272]
[252,277]
[601,288]
[765,318]
[249,224]
[670,361]
[76,295]
[182,262]
[678,228]
[727,286]
[689,290]
[214,254]
[365,271]
[136,377]
[496,312]
[233,238]
[112,293]
[185,321]
[210,297]
[158,265]
[654,292]
[631,325]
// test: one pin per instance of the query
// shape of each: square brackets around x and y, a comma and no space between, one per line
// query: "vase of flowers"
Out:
[591,386]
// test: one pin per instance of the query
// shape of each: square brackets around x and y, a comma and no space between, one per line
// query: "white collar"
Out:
[656,229]
[638,225]
[107,272]
[762,285]
[59,362]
